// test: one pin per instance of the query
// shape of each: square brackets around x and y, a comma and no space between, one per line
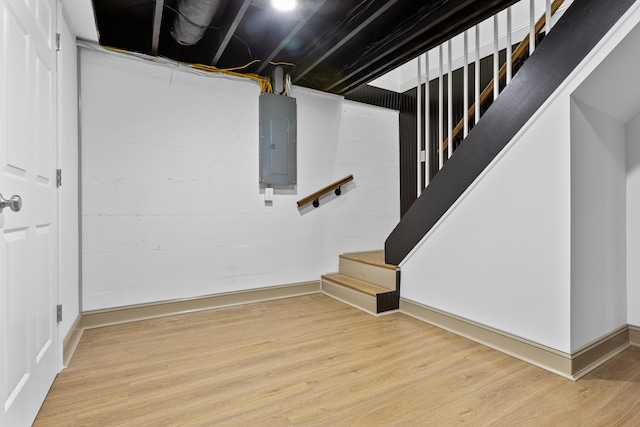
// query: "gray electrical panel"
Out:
[278,134]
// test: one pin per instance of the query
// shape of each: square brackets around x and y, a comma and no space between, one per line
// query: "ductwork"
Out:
[192,20]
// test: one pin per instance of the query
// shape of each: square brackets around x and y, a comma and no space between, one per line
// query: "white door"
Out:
[28,238]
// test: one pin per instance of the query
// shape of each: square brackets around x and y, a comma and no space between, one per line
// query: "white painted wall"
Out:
[610,98]
[633,221]
[172,207]
[598,224]
[79,14]
[68,210]
[502,255]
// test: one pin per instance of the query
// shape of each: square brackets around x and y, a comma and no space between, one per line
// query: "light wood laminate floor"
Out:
[314,361]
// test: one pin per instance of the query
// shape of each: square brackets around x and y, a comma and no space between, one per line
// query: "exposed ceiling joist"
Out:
[336,45]
[237,14]
[430,32]
[290,36]
[157,24]
[299,74]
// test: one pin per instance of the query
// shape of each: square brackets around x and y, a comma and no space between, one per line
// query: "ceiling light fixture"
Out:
[284,5]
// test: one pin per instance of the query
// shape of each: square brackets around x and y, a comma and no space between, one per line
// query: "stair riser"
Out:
[380,276]
[357,299]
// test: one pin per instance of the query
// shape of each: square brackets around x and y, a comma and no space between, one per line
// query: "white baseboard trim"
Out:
[71,340]
[530,352]
[589,357]
[634,335]
[571,366]
[117,315]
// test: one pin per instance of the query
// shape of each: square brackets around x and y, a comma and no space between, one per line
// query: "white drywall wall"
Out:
[609,105]
[172,207]
[79,15]
[500,256]
[68,255]
[598,224]
[633,221]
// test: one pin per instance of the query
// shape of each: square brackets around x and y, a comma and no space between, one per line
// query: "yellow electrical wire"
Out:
[115,49]
[264,82]
[290,64]
[239,68]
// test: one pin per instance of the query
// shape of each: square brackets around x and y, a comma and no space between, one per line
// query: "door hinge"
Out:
[59,312]
[58,177]
[58,42]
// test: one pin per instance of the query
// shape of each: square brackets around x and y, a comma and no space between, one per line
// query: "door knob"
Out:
[14,203]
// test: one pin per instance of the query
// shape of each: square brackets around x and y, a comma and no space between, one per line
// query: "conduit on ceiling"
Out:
[192,20]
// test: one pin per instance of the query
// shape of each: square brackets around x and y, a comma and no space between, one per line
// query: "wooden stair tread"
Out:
[371,257]
[356,284]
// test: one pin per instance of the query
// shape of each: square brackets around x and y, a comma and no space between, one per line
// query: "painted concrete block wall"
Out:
[633,221]
[500,256]
[68,200]
[171,204]
[598,224]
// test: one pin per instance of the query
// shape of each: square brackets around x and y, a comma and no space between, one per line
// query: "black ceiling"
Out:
[336,45]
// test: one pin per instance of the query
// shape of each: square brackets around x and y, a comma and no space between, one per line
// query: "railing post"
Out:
[476,87]
[440,110]
[532,26]
[465,101]
[548,22]
[496,59]
[449,101]
[419,128]
[427,124]
[509,47]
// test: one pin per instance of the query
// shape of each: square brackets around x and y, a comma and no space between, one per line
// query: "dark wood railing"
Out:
[315,197]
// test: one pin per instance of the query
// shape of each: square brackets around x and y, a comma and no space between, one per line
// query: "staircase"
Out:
[365,281]
[564,47]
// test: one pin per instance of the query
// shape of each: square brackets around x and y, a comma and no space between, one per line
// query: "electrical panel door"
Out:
[278,134]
